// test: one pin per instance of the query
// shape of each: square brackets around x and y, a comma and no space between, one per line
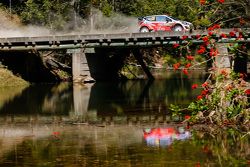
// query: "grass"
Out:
[10,85]
[8,79]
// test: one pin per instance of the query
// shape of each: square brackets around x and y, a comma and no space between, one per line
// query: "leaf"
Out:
[174,107]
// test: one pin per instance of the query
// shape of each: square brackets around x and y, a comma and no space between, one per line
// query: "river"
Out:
[123,124]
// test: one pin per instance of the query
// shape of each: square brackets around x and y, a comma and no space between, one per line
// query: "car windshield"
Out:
[150,18]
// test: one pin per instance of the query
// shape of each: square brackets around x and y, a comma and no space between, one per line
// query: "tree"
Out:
[226,13]
[51,13]
[224,97]
[202,13]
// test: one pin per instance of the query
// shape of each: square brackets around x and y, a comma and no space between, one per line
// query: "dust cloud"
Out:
[97,23]
[11,26]
[117,23]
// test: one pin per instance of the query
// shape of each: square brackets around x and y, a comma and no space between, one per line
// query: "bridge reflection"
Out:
[131,102]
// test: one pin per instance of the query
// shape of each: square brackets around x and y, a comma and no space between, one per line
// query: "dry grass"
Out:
[10,86]
[7,20]
[8,79]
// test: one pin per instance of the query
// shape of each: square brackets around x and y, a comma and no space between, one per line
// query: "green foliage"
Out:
[174,108]
[54,13]
[199,58]
[198,106]
[169,59]
[202,22]
[107,9]
[226,101]
[51,13]
[233,48]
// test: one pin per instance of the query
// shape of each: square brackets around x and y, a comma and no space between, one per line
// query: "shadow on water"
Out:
[111,124]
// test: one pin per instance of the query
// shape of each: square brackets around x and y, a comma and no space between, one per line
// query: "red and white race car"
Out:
[163,23]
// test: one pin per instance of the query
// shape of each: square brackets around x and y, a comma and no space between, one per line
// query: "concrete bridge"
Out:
[101,55]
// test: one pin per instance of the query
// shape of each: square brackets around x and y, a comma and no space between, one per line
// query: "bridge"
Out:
[109,40]
[103,46]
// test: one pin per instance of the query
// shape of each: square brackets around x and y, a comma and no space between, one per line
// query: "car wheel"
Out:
[144,29]
[177,28]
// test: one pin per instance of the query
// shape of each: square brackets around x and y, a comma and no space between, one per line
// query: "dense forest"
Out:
[56,14]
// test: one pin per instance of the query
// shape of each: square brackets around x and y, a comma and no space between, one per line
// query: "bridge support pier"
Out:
[103,64]
[100,64]
[223,60]
[80,67]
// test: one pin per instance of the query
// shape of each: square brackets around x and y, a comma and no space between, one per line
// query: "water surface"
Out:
[111,124]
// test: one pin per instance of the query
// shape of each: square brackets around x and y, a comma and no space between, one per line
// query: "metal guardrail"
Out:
[108,40]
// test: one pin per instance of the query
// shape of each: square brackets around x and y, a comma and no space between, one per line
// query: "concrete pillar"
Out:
[223,60]
[80,67]
[97,64]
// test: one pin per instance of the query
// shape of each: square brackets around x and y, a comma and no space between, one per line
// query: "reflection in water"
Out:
[110,124]
[165,136]
[121,146]
[224,147]
[93,103]
[141,97]
[8,93]
[40,99]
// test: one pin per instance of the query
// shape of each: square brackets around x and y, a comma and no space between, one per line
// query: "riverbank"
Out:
[8,79]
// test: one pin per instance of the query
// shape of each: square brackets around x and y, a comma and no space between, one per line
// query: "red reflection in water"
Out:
[164,136]
[56,135]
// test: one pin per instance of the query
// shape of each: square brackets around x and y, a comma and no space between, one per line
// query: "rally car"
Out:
[163,23]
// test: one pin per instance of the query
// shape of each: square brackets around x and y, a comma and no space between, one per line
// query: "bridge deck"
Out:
[107,40]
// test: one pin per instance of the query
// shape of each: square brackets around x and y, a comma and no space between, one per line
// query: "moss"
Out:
[8,79]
